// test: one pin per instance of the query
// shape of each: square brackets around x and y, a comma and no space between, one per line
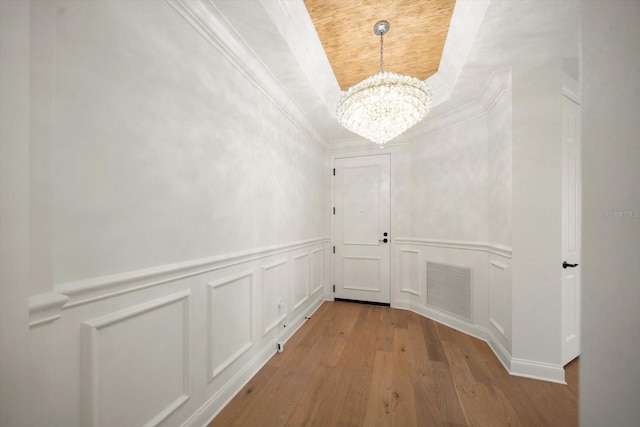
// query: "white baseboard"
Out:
[498,349]
[219,400]
[537,370]
[516,367]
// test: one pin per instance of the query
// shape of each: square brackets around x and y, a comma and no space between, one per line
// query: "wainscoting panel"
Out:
[128,354]
[316,270]
[500,303]
[410,271]
[497,294]
[274,294]
[467,287]
[169,345]
[300,280]
[230,319]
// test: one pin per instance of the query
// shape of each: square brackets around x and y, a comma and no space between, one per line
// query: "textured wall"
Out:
[609,372]
[175,209]
[449,183]
[537,209]
[500,170]
[164,152]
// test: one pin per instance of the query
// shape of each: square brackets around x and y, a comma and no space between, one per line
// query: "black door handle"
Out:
[566,264]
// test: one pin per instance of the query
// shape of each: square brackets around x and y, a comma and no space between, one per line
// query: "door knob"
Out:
[385,240]
[566,264]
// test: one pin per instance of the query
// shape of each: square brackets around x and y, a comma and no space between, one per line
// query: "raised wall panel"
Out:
[361,273]
[497,296]
[135,363]
[300,280]
[449,288]
[316,271]
[409,272]
[274,294]
[229,320]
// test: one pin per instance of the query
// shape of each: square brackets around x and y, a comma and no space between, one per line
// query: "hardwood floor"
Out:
[361,365]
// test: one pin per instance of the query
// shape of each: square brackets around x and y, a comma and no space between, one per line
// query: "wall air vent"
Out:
[449,288]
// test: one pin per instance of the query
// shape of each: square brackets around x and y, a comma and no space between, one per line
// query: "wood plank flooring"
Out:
[362,365]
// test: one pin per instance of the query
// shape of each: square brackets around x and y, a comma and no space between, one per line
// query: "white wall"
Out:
[500,177]
[536,220]
[175,215]
[449,183]
[609,369]
[159,142]
[14,211]
[500,173]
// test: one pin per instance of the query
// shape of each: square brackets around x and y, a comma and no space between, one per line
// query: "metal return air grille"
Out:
[449,288]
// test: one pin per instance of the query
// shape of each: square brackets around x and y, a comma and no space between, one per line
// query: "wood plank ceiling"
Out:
[413,45]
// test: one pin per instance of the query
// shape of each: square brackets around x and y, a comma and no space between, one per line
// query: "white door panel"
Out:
[571,229]
[362,217]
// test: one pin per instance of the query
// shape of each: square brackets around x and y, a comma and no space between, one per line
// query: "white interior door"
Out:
[361,228]
[571,230]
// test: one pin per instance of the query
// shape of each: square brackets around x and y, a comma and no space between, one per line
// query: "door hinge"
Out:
[334,249]
[334,289]
[334,171]
[334,210]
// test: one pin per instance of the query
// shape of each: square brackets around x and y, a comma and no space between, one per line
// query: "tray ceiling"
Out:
[413,45]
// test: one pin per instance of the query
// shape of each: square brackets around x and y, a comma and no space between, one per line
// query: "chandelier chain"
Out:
[381,52]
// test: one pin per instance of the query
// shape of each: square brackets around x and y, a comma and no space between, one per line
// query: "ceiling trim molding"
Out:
[209,22]
[493,90]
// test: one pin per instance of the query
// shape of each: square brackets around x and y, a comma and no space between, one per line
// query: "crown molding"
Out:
[493,90]
[211,24]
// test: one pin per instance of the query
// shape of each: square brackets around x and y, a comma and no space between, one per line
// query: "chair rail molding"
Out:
[94,289]
[45,308]
[495,249]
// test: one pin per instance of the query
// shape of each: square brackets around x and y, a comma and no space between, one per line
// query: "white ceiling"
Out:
[486,36]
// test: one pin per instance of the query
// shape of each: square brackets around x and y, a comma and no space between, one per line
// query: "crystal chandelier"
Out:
[384,105]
